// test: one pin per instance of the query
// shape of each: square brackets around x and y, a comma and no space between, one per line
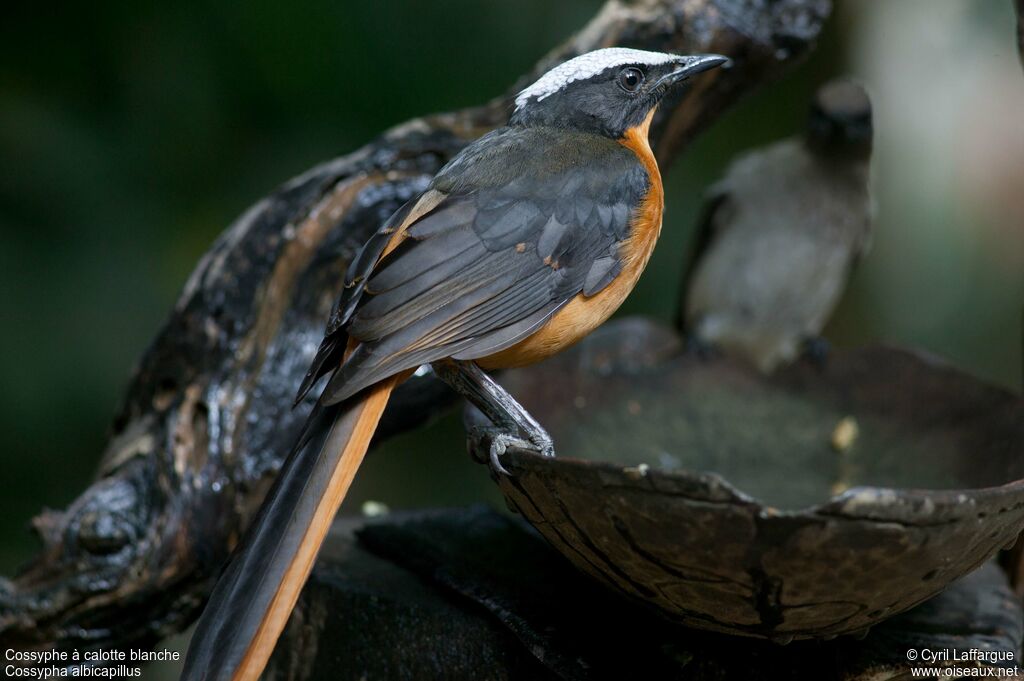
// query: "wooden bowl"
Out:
[809,504]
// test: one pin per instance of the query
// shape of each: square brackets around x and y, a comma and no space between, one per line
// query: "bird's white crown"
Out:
[588,65]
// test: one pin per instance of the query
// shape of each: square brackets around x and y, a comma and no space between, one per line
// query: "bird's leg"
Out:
[508,416]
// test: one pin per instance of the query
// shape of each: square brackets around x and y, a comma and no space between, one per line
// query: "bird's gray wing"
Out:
[332,348]
[490,263]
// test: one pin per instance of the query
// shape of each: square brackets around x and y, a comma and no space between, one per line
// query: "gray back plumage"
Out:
[529,219]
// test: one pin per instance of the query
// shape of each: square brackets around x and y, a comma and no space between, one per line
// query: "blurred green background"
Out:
[132,133]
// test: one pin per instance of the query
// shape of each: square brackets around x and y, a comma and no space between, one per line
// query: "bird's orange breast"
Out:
[583,314]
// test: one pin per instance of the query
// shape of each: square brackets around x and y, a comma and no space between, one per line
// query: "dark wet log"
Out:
[977,613]
[206,419]
[404,613]
[1012,562]
[365,617]
[800,531]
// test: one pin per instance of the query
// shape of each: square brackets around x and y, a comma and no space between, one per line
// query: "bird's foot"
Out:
[501,409]
[499,445]
[496,442]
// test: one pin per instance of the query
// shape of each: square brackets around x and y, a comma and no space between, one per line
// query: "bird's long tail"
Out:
[257,591]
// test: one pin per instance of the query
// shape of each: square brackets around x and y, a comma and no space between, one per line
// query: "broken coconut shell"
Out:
[656,445]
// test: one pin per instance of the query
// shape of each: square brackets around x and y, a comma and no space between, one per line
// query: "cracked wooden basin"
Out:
[814,503]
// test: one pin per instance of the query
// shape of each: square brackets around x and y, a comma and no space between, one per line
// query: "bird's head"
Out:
[840,120]
[606,91]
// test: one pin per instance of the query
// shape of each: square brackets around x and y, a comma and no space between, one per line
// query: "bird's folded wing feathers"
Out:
[499,253]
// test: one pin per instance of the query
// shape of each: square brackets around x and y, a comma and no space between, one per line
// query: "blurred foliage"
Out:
[132,133]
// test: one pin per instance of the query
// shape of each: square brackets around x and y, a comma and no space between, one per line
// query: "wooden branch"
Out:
[207,417]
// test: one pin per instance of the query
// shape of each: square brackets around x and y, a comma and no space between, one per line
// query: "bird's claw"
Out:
[499,445]
[498,442]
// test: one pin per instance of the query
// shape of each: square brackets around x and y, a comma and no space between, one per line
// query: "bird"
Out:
[523,243]
[779,235]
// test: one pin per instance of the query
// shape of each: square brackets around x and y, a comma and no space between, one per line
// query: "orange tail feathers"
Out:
[255,595]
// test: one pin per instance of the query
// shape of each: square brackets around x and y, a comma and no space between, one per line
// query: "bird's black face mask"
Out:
[607,98]
[840,121]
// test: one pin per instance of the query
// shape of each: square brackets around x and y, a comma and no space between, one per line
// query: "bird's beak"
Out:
[690,66]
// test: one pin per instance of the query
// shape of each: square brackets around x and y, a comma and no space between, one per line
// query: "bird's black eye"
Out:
[630,78]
